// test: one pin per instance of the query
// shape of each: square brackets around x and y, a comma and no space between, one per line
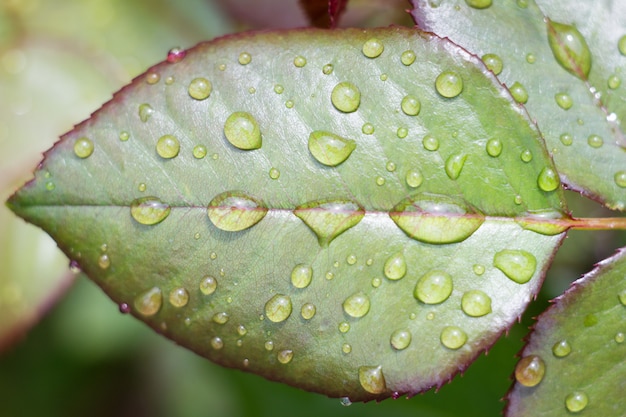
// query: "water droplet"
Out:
[351,259]
[449,84]
[329,218]
[494,147]
[220,318]
[244,58]
[531,58]
[199,151]
[285,356]
[145,112]
[299,61]
[152,78]
[169,80]
[526,156]
[620,179]
[124,308]
[179,297]
[83,148]
[104,262]
[595,141]
[269,345]
[274,173]
[327,69]
[242,131]
[407,57]
[329,275]
[434,287]
[545,222]
[301,276]
[478,269]
[176,55]
[566,139]
[148,303]
[622,297]
[200,88]
[518,265]
[149,210]
[372,48]
[50,186]
[619,337]
[569,48]
[522,4]
[476,303]
[367,128]
[561,349]
[289,104]
[208,285]
[576,401]
[430,143]
[124,136]
[564,101]
[493,62]
[478,4]
[414,178]
[357,305]
[234,211]
[380,181]
[548,180]
[400,339]
[402,132]
[167,146]
[278,308]
[530,370]
[519,93]
[614,82]
[344,327]
[376,282]
[590,320]
[217,343]
[395,267]
[434,218]
[372,379]
[307,311]
[346,97]
[410,105]
[346,348]
[453,337]
[142,187]
[345,401]
[454,165]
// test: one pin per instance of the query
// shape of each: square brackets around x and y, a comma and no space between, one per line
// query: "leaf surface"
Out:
[582,350]
[344,211]
[573,89]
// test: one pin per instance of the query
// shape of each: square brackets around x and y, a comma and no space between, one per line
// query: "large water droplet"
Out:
[478,4]
[346,97]
[83,148]
[454,165]
[400,339]
[476,303]
[167,146]
[357,305]
[519,93]
[564,101]
[329,218]
[149,210]
[234,211]
[208,285]
[278,308]
[453,337]
[493,62]
[494,147]
[434,218]
[569,48]
[372,379]
[179,297]
[372,48]
[330,149]
[301,275]
[395,267]
[410,105]
[547,222]
[530,370]
[595,141]
[576,401]
[449,84]
[200,88]
[148,303]
[434,287]
[518,265]
[561,349]
[242,131]
[548,180]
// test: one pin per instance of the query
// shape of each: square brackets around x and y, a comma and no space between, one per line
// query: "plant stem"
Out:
[602,223]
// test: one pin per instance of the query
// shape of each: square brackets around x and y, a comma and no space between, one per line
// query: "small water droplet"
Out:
[208,285]
[169,80]
[493,62]
[289,104]
[414,178]
[530,370]
[400,339]
[561,349]
[590,320]
[104,262]
[622,297]
[124,308]
[522,4]
[519,93]
[367,128]
[199,151]
[453,337]
[242,131]
[217,343]
[148,303]
[526,156]
[149,210]
[576,401]
[269,345]
[620,179]
[285,356]
[278,89]
[124,136]
[494,147]
[344,327]
[301,276]
[372,48]
[569,48]
[476,303]
[179,297]
[408,57]
[167,147]
[329,218]
[357,305]
[595,141]
[346,348]
[564,101]
[200,88]
[548,180]
[566,139]
[244,58]
[430,143]
[372,379]
[619,337]
[434,287]
[83,148]
[307,311]
[233,211]
[380,181]
[345,401]
[478,4]
[142,187]
[434,218]
[346,97]
[299,61]
[454,165]
[145,112]
[376,282]
[518,265]
[220,318]
[327,69]
[402,132]
[329,275]
[614,82]
[410,105]
[478,269]
[278,308]
[274,173]
[395,267]
[531,58]
[449,84]
[351,259]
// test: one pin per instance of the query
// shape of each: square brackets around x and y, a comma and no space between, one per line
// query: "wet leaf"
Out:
[381,275]
[581,343]
[564,63]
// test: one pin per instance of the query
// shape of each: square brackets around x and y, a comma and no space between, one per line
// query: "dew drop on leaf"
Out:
[244,58]
[493,62]
[526,156]
[395,267]
[242,131]
[299,61]
[308,311]
[434,287]
[357,305]
[544,222]
[530,370]
[330,149]
[564,101]
[327,69]
[614,82]
[478,4]
[329,218]
[620,179]
[145,112]
[566,139]
[595,141]
[430,143]
[561,349]
[124,136]
[410,105]
[285,356]
[167,147]
[407,57]
[278,308]
[548,180]
[149,210]
[200,88]
[454,165]
[176,55]
[344,327]
[372,379]
[519,93]
[346,97]
[453,337]
[83,148]
[372,48]
[179,297]
[400,339]
[233,211]
[576,401]
[148,303]
[199,151]
[414,178]
[494,147]
[104,262]
[476,303]
[221,317]
[517,265]
[622,297]
[449,84]
[569,48]
[217,343]
[301,276]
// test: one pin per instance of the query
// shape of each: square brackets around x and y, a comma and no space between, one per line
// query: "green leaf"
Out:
[380,275]
[574,360]
[564,63]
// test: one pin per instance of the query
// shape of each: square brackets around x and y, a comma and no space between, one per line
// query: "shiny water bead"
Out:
[478,4]
[346,97]
[390,166]
[357,305]
[233,211]
[217,343]
[414,178]
[208,285]
[380,181]
[329,218]
[278,89]
[83,147]
[367,128]
[372,48]
[274,173]
[372,379]
[299,61]
[566,139]
[344,327]
[221,318]
[564,101]
[351,259]
[621,45]
[454,165]
[285,356]
[449,84]
[124,136]
[278,308]
[199,151]
[308,311]
[620,179]
[152,77]
[402,132]
[148,303]
[142,187]
[595,141]
[327,69]
[561,349]
[517,265]
[395,267]
[242,131]
[619,337]
[569,48]
[614,82]
[476,303]
[400,339]
[245,58]
[269,345]
[519,93]
[590,320]
[531,58]
[493,62]
[145,112]
[346,348]
[289,104]
[453,337]
[478,269]
[576,401]
[200,88]
[149,210]
[526,156]
[494,147]
[410,105]
[430,143]
[104,262]
[179,297]
[169,80]
[407,57]
[167,147]
[301,276]
[530,370]
[434,287]
[548,180]
[175,55]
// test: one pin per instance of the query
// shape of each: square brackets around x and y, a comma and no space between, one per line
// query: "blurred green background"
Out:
[60,60]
